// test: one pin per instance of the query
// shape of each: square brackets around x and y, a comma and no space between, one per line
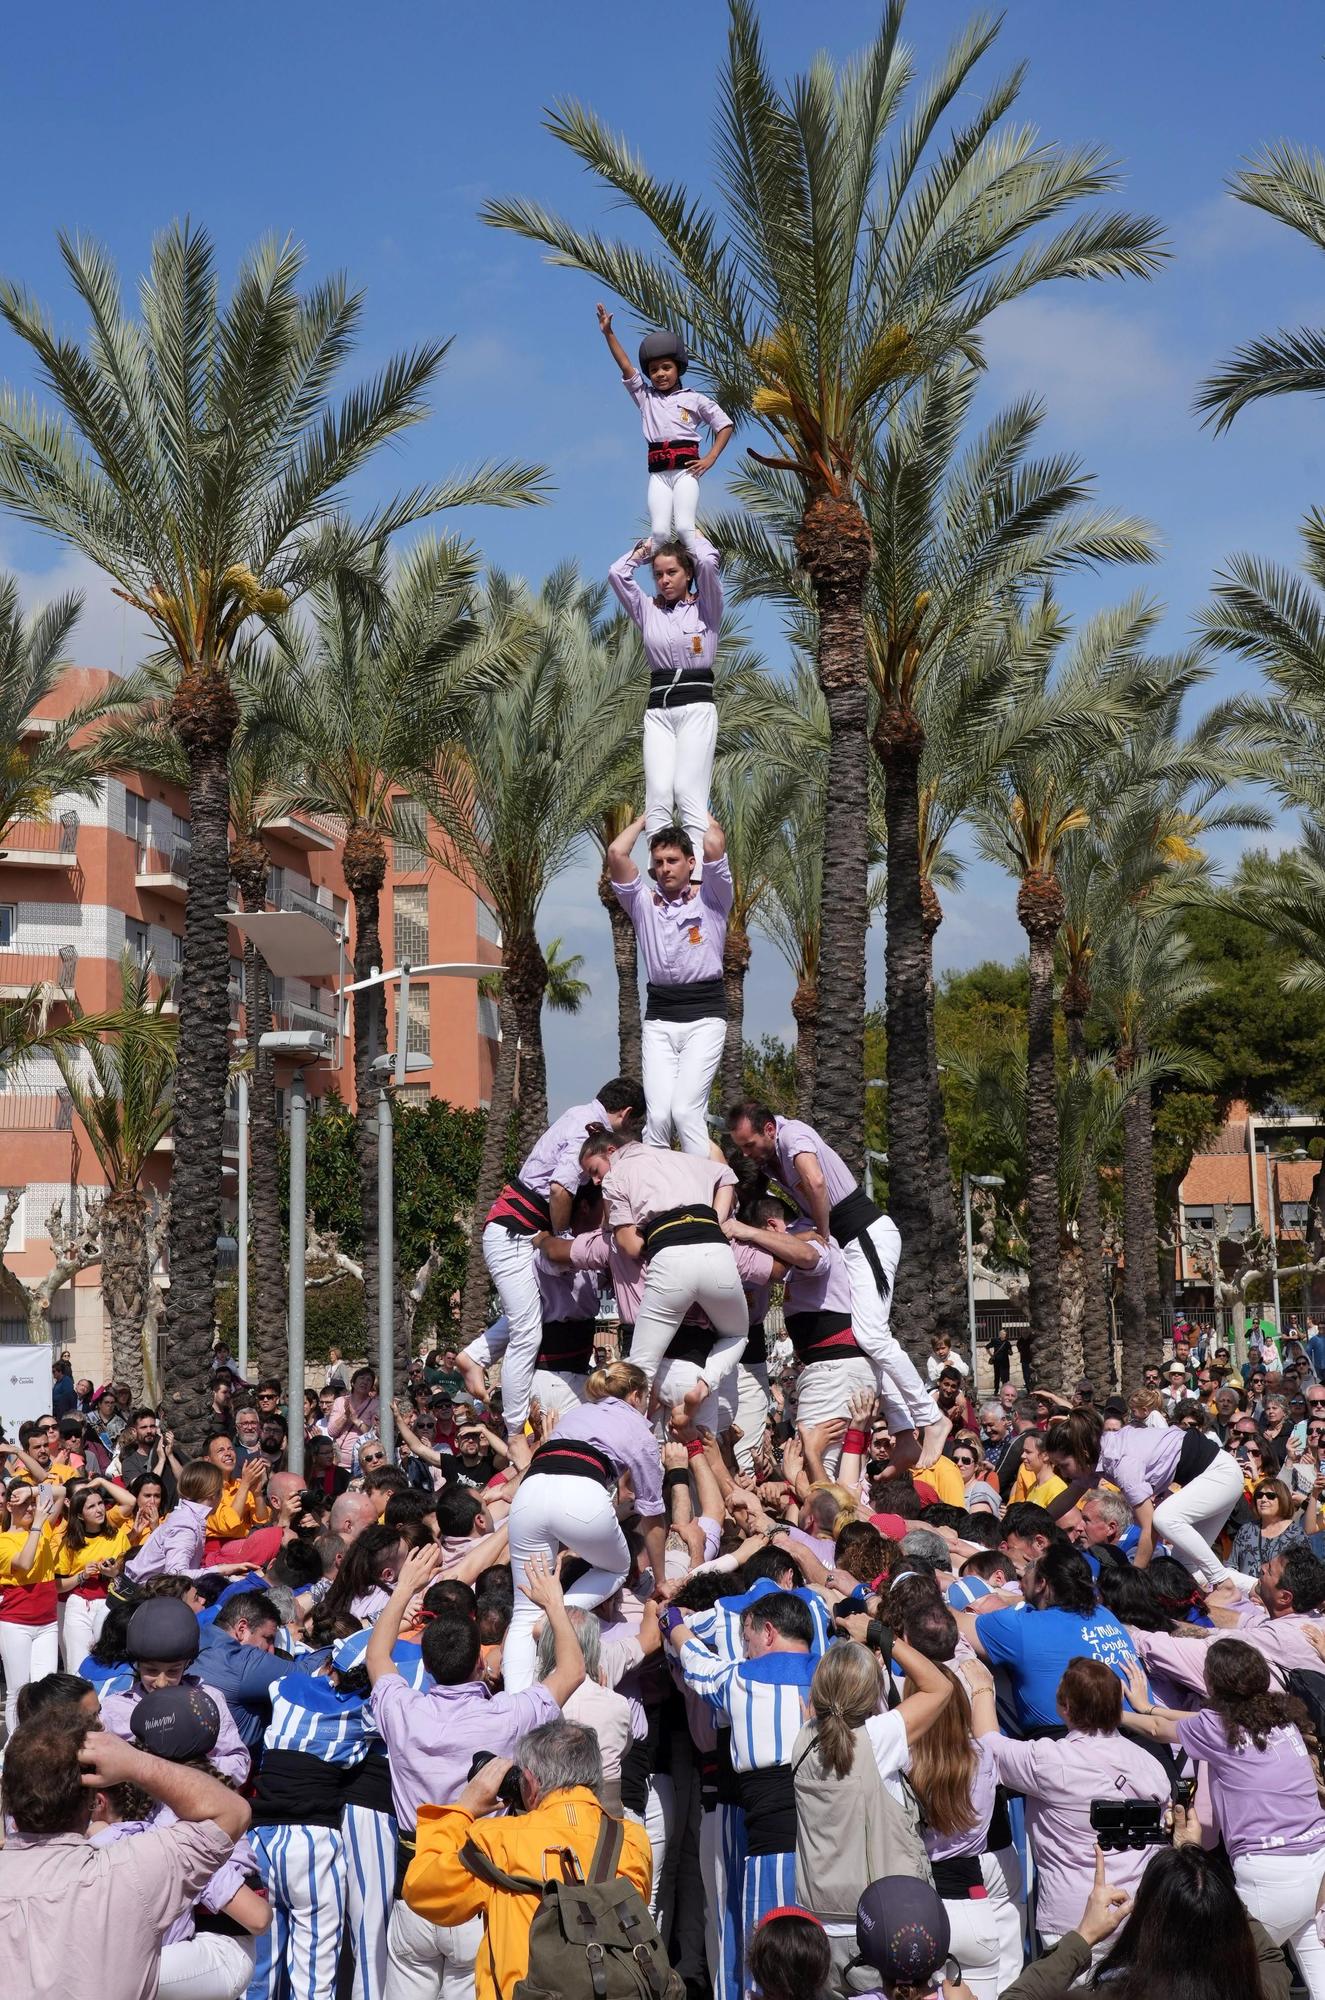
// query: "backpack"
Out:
[1309,1688]
[591,1940]
[850,1831]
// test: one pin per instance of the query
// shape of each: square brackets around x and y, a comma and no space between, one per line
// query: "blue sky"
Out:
[372,135]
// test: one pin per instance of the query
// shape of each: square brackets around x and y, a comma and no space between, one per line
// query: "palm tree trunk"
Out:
[805,1013]
[947,1266]
[1097,1347]
[630,1040]
[834,547]
[899,741]
[365,872]
[525,979]
[204,714]
[126,1279]
[1040,911]
[1140,1291]
[491,1172]
[250,866]
[735,965]
[1071,1272]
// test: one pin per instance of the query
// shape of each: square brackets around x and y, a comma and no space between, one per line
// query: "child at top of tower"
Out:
[673,418]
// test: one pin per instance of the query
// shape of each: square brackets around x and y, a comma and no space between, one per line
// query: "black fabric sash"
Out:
[693,1222]
[672,454]
[756,1344]
[295,1789]
[574,1459]
[1198,1454]
[819,1336]
[769,1799]
[567,1345]
[370,1784]
[849,1218]
[682,691]
[686,1000]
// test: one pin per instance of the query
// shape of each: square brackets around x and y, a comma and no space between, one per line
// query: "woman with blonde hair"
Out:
[848,1765]
[954,1776]
[601,1462]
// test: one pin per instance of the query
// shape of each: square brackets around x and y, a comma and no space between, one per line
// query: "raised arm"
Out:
[416,1573]
[567,1661]
[708,581]
[715,843]
[614,347]
[621,576]
[421,1450]
[619,864]
[191,1794]
[801,1253]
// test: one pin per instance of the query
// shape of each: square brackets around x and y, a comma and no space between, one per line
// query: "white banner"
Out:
[25,1386]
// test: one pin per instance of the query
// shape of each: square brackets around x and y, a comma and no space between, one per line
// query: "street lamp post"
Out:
[968,1182]
[1274,1244]
[294,1444]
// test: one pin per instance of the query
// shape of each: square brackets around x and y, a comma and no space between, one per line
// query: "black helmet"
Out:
[662,346]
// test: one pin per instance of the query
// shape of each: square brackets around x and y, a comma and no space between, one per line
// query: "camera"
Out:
[1122,1823]
[509,1793]
[1184,1792]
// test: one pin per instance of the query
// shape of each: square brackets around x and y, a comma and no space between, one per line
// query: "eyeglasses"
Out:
[49,1430]
[962,1458]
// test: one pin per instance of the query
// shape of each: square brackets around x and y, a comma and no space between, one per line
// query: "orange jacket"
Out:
[441,1888]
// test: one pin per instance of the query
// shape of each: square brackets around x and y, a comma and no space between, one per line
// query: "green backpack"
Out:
[591,1940]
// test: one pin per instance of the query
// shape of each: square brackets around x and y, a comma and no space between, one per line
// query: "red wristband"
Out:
[855,1441]
[695,1448]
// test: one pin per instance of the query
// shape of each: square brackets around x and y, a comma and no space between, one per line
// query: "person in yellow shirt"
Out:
[34,1458]
[945,1479]
[1036,1479]
[99,1534]
[29,1601]
[243,1503]
[561,1770]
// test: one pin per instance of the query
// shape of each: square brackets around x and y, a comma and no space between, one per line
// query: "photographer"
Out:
[561,1775]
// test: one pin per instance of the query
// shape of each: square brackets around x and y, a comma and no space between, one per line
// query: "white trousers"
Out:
[680,1062]
[27,1653]
[1007,1900]
[430,1961]
[206,1966]
[974,1943]
[909,1404]
[751,1410]
[1189,1519]
[691,1274]
[678,769]
[80,1628]
[1280,1891]
[550,1512]
[673,506]
[673,1383]
[510,1262]
[824,1390]
[554,1392]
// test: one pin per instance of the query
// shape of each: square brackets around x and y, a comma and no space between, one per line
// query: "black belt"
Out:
[769,1799]
[682,689]
[573,1459]
[849,1218]
[625,1333]
[1198,1454]
[295,1789]
[958,1877]
[685,1000]
[672,454]
[370,1784]
[406,1848]
[567,1344]
[817,1336]
[756,1344]
[693,1222]
[521,1209]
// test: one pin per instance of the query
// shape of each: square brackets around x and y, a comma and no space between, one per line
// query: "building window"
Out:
[8,925]
[418,1030]
[138,937]
[408,856]
[488,927]
[1292,1215]
[18,1228]
[489,1018]
[413,1093]
[410,916]
[136,818]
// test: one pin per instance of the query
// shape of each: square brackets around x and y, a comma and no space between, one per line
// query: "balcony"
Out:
[35,843]
[36,1111]
[163,868]
[315,832]
[44,964]
[308,906]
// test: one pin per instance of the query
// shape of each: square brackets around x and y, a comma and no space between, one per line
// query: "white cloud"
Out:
[1098,370]
[108,634]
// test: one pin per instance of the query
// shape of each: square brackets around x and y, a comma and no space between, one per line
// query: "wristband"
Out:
[671,1618]
[678,1476]
[855,1441]
[695,1448]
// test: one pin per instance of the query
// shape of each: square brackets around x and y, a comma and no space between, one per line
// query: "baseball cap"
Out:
[902,1930]
[177,1723]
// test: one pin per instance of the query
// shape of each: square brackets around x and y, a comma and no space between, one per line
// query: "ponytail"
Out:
[616,1378]
[846,1690]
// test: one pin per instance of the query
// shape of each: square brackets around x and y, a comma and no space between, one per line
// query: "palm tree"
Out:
[193,454]
[35,768]
[964,535]
[121,1086]
[360,699]
[1288,183]
[532,768]
[565,992]
[134,731]
[1038,803]
[831,284]
[791,917]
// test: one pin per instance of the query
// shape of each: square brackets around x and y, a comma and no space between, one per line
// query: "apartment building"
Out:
[112,873]
[1258,1172]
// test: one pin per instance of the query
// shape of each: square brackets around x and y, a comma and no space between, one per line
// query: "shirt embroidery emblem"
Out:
[696,934]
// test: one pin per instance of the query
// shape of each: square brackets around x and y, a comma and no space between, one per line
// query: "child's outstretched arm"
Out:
[615,349]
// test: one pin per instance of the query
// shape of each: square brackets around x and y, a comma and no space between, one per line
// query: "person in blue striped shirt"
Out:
[763,1698]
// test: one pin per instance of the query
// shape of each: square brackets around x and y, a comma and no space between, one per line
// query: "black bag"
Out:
[591,1940]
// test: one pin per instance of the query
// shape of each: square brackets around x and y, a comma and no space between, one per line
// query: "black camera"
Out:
[508,1793]
[1184,1792]
[1122,1823]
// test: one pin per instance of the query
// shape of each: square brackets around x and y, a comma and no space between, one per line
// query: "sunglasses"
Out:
[962,1458]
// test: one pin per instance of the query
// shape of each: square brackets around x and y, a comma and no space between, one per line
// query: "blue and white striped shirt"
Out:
[765,1701]
[720,1627]
[312,1718]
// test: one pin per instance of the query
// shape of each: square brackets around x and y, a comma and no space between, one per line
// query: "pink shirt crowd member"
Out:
[556,1157]
[598,1250]
[1265,1801]
[680,941]
[645,1181]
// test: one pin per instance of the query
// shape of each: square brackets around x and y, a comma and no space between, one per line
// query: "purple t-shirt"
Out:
[1141,1462]
[682,940]
[1264,1801]
[556,1157]
[793,1137]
